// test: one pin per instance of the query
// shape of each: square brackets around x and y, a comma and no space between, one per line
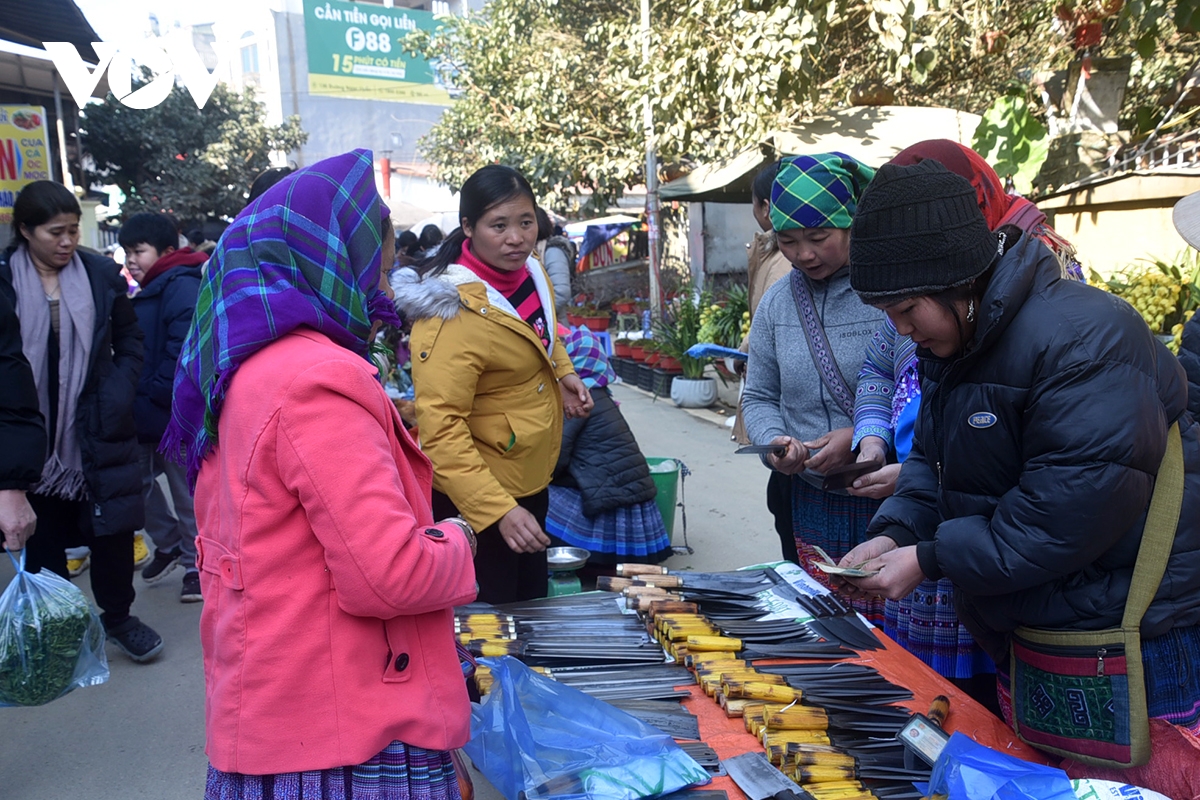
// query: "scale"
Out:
[562,563]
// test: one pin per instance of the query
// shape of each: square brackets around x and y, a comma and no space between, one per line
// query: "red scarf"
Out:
[186,257]
[502,280]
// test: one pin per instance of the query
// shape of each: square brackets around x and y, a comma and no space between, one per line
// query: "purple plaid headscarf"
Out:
[306,253]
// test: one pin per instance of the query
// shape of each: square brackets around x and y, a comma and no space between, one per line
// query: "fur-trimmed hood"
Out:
[425,297]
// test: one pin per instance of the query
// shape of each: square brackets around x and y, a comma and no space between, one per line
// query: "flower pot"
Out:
[693,392]
[624,308]
[652,359]
[637,352]
[595,323]
[669,364]
[574,319]
[621,348]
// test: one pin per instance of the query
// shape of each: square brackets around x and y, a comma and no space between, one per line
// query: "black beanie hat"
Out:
[918,231]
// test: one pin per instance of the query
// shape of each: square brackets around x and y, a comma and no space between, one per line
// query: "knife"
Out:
[760,780]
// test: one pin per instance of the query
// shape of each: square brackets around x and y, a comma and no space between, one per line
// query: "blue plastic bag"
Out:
[535,738]
[966,770]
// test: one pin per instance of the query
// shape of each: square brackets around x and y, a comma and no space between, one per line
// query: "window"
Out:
[250,59]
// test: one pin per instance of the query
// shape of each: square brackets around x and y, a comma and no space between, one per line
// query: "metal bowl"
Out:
[565,559]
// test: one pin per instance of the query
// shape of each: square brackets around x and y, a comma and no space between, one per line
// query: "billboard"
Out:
[24,153]
[354,51]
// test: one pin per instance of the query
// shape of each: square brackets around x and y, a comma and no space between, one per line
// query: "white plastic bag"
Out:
[51,639]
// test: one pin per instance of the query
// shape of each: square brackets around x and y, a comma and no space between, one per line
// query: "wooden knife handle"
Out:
[607,583]
[629,570]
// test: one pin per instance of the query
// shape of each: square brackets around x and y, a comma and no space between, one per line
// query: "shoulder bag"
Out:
[1082,694]
[818,345]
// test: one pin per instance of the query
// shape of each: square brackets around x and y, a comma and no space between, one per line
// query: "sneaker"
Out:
[78,566]
[161,565]
[136,639]
[191,588]
[141,553]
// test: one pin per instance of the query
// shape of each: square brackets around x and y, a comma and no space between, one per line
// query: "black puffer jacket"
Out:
[164,312]
[104,421]
[1189,356]
[1047,436]
[600,457]
[22,429]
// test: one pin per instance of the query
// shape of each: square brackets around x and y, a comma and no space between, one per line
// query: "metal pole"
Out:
[653,229]
[67,178]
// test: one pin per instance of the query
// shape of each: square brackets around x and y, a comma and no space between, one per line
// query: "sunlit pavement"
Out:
[141,735]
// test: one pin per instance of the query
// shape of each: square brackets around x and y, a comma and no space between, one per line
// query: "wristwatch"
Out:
[467,530]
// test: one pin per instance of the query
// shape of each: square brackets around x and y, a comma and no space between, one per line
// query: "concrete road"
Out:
[141,735]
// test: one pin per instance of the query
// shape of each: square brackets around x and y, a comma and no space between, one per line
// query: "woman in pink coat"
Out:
[329,655]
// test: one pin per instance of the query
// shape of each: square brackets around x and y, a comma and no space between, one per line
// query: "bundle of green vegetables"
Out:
[51,640]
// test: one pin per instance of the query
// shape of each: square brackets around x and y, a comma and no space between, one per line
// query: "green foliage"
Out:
[187,161]
[726,323]
[679,328]
[1012,139]
[555,88]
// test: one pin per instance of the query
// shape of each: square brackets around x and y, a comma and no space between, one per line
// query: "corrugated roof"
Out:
[32,22]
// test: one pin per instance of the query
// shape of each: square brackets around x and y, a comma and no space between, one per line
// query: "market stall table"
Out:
[728,736]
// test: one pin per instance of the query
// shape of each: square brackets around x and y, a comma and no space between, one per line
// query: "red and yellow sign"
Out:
[24,153]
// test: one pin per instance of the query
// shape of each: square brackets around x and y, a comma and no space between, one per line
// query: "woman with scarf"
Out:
[1046,415]
[602,495]
[330,663]
[886,409]
[806,347]
[492,380]
[81,337]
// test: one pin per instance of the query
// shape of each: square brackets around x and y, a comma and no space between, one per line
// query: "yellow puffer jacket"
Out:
[489,410]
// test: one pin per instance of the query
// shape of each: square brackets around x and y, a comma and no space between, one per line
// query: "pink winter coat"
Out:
[327,625]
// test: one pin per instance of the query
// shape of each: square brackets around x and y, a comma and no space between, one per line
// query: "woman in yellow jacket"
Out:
[492,381]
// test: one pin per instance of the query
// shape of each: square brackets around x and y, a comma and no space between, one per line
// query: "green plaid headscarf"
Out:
[818,191]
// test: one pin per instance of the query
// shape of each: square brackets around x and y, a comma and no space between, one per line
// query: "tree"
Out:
[555,87]
[191,162]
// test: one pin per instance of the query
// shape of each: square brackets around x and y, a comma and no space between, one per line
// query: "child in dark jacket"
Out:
[170,282]
[602,495]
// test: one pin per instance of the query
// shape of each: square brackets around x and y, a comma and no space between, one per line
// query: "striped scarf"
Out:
[306,254]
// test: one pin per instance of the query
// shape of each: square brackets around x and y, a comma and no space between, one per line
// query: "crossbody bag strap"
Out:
[818,344]
[1159,533]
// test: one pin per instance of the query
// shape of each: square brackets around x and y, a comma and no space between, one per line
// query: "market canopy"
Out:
[577,229]
[47,21]
[872,134]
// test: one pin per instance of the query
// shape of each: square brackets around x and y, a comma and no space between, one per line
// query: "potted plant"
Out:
[622,348]
[624,305]
[676,332]
[637,350]
[593,317]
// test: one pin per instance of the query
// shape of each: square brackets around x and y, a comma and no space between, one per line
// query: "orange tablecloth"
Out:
[729,737]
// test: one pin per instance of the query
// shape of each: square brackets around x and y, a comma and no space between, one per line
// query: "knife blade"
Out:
[760,780]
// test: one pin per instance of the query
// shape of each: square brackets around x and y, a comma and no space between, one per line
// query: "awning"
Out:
[578,229]
[872,134]
[31,23]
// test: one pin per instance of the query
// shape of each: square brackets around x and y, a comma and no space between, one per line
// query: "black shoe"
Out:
[164,561]
[191,588]
[136,639]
